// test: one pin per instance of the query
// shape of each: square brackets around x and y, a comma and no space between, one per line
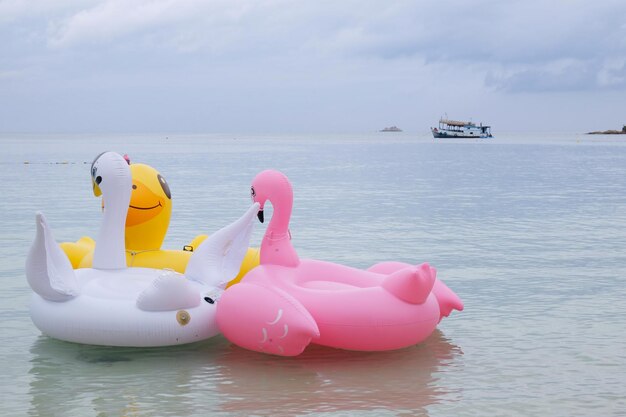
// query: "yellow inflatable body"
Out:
[147,221]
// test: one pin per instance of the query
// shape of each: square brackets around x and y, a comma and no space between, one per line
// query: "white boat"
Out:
[452,129]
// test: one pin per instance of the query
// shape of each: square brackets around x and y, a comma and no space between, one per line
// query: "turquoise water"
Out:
[529,229]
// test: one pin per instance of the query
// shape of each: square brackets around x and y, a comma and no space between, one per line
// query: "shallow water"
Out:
[529,229]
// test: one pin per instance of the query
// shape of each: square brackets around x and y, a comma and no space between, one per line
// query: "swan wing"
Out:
[48,270]
[218,259]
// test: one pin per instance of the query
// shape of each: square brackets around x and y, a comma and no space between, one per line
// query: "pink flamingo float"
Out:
[286,303]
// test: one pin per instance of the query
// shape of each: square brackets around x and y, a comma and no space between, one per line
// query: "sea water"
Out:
[528,229]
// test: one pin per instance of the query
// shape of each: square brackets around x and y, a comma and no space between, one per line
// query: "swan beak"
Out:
[96,189]
[260,216]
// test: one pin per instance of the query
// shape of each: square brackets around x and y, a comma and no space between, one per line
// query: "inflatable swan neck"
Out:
[276,247]
[111,173]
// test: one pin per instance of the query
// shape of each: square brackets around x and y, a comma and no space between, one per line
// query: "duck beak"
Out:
[260,216]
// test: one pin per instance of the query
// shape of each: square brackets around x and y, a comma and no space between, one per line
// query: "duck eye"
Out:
[164,186]
[134,187]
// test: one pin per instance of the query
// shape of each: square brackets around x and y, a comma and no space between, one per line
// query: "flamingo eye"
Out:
[252,192]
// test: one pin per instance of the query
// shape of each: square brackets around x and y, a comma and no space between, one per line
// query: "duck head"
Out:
[150,209]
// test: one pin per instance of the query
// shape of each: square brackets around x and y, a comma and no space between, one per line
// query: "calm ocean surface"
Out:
[529,229]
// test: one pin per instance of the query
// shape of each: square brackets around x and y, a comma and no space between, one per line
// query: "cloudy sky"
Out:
[261,66]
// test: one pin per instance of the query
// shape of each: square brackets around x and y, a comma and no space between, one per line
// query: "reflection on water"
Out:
[324,379]
[70,378]
[217,378]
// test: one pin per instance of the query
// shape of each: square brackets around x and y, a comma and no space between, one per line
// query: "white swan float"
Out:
[112,304]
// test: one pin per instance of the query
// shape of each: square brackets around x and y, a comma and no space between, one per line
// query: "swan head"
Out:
[271,185]
[111,178]
[110,172]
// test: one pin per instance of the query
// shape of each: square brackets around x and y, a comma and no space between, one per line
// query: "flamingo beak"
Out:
[260,216]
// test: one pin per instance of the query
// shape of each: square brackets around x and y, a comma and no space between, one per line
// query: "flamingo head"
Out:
[271,185]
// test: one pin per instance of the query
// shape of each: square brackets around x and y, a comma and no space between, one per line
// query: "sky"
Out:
[283,66]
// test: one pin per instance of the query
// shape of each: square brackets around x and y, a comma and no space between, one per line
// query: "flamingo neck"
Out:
[276,247]
[110,247]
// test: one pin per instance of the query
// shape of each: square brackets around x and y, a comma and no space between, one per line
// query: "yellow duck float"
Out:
[147,222]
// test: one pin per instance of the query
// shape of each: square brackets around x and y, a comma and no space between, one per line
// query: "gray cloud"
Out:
[561,76]
[365,57]
[489,31]
[528,41]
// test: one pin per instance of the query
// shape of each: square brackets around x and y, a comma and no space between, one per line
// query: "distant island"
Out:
[609,132]
[391,129]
